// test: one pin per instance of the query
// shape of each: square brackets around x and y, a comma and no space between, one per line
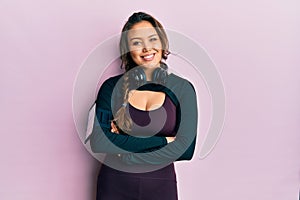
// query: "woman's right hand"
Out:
[170,139]
[114,128]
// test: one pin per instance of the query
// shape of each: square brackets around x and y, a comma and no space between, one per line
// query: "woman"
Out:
[147,118]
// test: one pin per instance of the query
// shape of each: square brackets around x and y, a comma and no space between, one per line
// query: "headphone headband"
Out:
[137,76]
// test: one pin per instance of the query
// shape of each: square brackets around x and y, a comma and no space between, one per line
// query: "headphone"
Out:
[137,76]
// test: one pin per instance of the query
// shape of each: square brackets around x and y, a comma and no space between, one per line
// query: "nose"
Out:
[147,47]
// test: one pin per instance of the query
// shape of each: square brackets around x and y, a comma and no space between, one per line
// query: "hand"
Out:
[170,139]
[114,128]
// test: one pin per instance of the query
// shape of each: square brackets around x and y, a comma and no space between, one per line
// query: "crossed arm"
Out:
[183,146]
[103,140]
[105,137]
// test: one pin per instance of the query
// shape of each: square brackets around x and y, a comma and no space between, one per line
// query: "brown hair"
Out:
[124,122]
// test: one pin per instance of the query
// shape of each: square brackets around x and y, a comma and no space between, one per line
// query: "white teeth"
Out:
[149,56]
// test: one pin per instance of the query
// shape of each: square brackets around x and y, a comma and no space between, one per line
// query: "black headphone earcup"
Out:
[137,77]
[160,75]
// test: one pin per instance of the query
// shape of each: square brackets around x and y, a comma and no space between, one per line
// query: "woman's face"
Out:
[145,45]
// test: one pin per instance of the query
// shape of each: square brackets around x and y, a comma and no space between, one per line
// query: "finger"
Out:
[113,125]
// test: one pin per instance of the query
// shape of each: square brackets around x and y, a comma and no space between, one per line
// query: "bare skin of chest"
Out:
[146,100]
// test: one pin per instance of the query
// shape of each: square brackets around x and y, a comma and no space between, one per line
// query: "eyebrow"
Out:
[141,38]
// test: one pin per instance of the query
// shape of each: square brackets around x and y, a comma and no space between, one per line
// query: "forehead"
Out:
[142,29]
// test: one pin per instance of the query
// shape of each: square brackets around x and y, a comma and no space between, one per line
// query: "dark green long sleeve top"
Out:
[149,150]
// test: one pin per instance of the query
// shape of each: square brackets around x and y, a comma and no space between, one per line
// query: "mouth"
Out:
[148,57]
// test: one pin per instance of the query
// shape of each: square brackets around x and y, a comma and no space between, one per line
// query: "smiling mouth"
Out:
[148,57]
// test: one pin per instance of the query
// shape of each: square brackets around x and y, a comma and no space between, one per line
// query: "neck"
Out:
[149,72]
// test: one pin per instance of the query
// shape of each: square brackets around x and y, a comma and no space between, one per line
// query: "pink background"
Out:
[255,45]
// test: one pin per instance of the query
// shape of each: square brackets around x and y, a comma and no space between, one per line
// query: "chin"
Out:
[154,65]
[151,64]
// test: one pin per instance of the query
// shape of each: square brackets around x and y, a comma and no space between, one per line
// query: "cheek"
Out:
[134,54]
[135,57]
[157,46]
[159,53]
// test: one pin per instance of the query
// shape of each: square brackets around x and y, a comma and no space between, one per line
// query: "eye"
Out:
[153,39]
[136,43]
